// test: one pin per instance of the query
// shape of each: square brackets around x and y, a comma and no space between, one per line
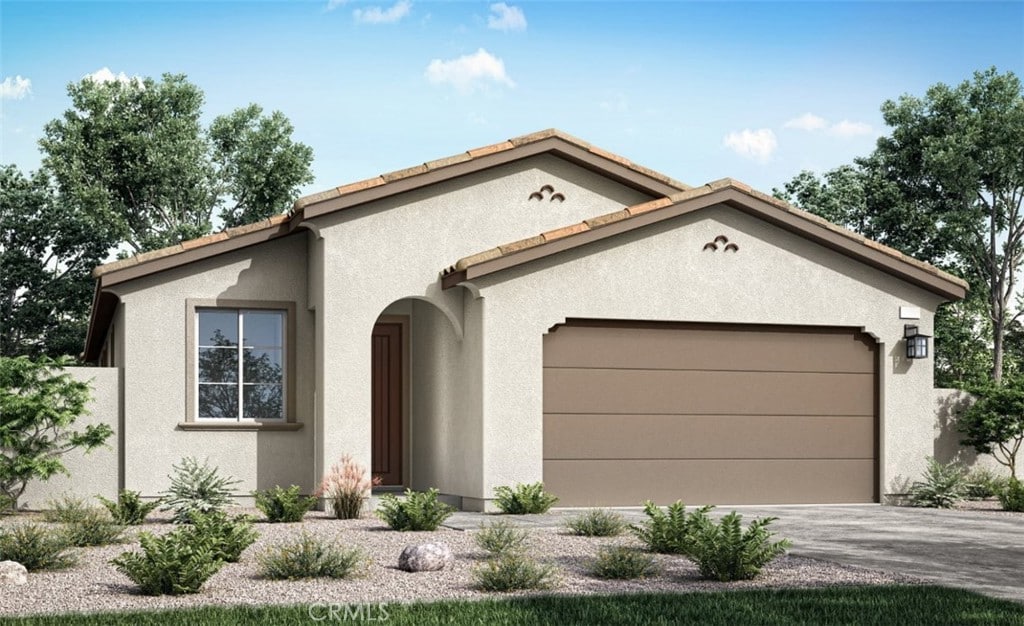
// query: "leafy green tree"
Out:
[47,252]
[995,423]
[135,155]
[39,404]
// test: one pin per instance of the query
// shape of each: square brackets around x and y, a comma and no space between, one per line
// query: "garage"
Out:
[709,414]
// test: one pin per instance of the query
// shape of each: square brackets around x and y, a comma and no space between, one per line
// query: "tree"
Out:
[946,187]
[47,252]
[995,423]
[40,403]
[134,155]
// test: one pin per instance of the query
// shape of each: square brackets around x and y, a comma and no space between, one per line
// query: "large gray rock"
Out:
[13,573]
[426,557]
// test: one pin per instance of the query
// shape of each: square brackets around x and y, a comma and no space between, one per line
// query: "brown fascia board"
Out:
[104,304]
[615,168]
[603,227]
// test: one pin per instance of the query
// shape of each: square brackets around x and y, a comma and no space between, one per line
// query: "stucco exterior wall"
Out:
[94,473]
[948,404]
[155,364]
[662,273]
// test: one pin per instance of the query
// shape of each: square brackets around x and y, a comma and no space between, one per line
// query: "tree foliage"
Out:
[47,252]
[995,423]
[40,404]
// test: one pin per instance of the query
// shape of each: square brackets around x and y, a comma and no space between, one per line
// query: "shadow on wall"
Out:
[949,404]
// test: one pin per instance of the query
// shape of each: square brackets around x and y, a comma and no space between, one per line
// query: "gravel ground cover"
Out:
[94,584]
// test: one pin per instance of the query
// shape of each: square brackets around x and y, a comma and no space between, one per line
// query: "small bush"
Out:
[984,483]
[228,536]
[346,486]
[725,552]
[420,510]
[65,510]
[310,557]
[94,528]
[283,505]
[943,486]
[36,547]
[523,499]
[130,509]
[668,531]
[500,537]
[1012,498]
[596,523]
[513,571]
[196,488]
[622,563]
[176,563]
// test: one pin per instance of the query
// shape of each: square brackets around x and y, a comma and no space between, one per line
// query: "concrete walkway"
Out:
[978,550]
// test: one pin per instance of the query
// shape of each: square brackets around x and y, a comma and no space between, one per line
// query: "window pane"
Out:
[263,328]
[218,401]
[218,365]
[262,366]
[218,328]
[262,401]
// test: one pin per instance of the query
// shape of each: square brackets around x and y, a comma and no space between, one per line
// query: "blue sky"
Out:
[755,91]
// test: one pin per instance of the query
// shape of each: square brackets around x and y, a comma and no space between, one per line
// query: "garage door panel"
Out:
[590,436]
[722,482]
[704,392]
[693,348]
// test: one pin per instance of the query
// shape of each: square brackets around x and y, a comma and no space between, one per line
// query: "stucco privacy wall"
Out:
[661,272]
[94,473]
[155,365]
[394,248]
[948,404]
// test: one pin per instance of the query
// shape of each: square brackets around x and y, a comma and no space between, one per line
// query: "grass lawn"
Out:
[904,606]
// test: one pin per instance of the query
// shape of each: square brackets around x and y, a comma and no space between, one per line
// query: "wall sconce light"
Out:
[917,344]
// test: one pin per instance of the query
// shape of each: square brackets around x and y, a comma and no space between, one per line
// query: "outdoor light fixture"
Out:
[917,344]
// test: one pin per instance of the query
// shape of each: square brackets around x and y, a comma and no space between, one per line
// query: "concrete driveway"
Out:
[978,550]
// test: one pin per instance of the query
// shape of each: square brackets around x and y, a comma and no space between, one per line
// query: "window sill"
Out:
[237,426]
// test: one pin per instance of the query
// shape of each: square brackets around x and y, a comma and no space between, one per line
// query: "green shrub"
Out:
[596,523]
[176,563]
[311,557]
[420,510]
[725,552]
[523,499]
[668,531]
[196,488]
[36,547]
[94,528]
[622,563]
[500,537]
[1012,498]
[346,486]
[229,536]
[65,510]
[283,505]
[943,486]
[130,509]
[513,571]
[984,483]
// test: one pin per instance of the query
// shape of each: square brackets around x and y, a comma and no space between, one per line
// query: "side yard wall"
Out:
[948,404]
[95,473]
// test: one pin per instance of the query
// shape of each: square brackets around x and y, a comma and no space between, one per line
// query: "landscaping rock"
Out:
[426,557]
[13,573]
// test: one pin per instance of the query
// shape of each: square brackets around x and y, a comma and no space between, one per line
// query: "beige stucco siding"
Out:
[662,273]
[155,363]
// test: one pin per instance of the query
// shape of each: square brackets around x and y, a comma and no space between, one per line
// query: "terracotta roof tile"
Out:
[203,241]
[368,183]
[607,218]
[547,133]
[522,244]
[391,177]
[437,164]
[565,231]
[480,257]
[653,205]
[476,153]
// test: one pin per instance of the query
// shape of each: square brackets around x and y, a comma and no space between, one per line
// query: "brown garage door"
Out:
[717,414]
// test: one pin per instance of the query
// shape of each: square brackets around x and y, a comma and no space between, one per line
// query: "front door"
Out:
[386,363]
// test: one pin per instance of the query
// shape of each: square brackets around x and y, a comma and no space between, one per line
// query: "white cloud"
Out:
[846,128]
[506,17]
[752,144]
[465,72]
[104,75]
[807,121]
[15,88]
[377,15]
[615,103]
[334,4]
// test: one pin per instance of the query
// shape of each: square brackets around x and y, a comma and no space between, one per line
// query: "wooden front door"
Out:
[386,364]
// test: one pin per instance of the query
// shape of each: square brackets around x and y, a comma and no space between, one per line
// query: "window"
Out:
[240,363]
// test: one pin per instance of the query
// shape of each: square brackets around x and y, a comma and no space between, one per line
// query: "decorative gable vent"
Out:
[547,192]
[721,242]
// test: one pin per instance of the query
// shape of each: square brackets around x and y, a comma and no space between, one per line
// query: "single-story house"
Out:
[537,309]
